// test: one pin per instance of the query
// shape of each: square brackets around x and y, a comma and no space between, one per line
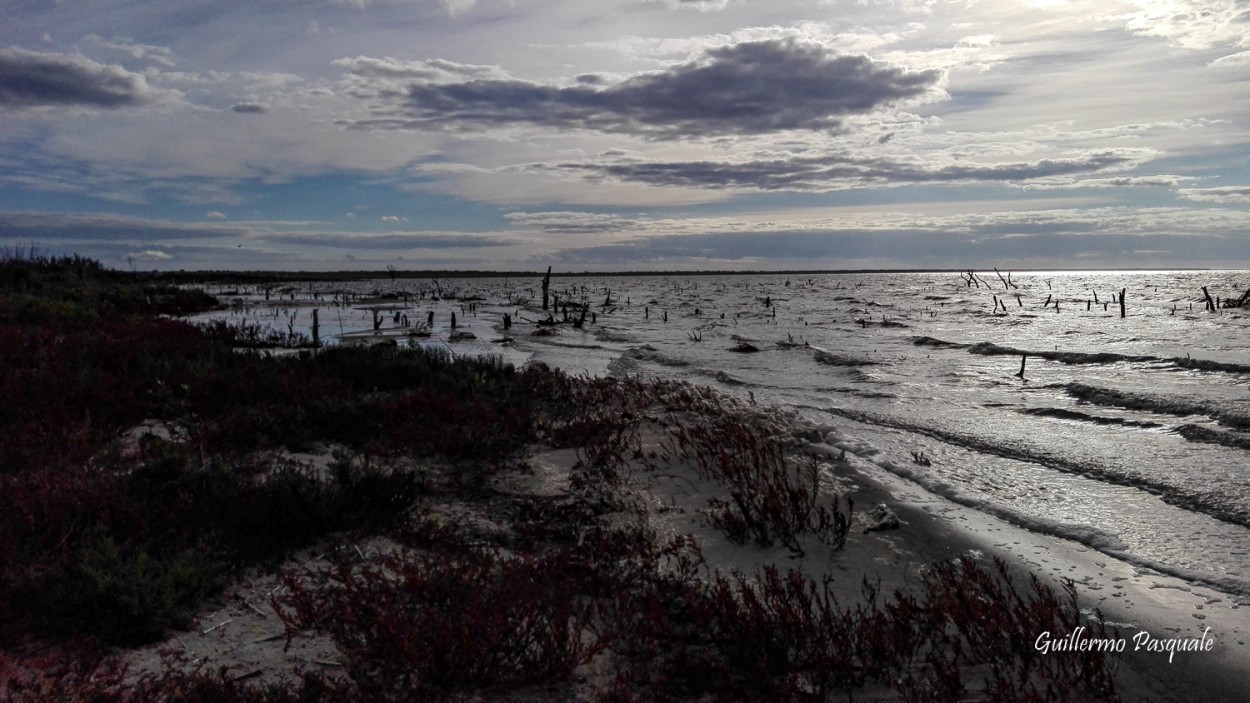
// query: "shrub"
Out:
[414,628]
[772,498]
[123,594]
[783,636]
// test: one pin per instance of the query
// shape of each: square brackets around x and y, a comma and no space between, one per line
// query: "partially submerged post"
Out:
[1210,303]
[546,285]
[1122,291]
[1023,358]
[316,329]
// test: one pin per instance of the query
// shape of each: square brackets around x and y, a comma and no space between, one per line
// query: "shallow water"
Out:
[1128,434]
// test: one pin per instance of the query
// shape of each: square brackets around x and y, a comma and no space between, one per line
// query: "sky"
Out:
[627,134]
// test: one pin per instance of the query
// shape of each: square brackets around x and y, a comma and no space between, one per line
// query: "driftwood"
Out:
[1240,302]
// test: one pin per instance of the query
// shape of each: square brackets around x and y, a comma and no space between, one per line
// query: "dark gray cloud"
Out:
[31,79]
[39,226]
[843,170]
[249,108]
[748,88]
[415,240]
[571,222]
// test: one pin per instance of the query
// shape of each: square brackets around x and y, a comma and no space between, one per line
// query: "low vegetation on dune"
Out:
[146,463]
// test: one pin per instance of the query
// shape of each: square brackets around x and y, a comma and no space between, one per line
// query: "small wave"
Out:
[1065,414]
[1206,435]
[858,393]
[832,359]
[571,345]
[649,353]
[1064,357]
[1075,357]
[1208,365]
[1187,497]
[938,343]
[1180,407]
[1101,540]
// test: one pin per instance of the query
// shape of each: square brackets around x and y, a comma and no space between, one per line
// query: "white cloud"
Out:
[1227,195]
[1191,24]
[160,55]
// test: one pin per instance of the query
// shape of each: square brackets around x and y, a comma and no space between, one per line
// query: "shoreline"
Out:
[1131,598]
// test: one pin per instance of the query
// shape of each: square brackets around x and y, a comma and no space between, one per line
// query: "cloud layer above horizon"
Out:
[631,134]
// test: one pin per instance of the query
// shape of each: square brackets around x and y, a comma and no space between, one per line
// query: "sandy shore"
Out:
[1143,608]
[1131,599]
[244,635]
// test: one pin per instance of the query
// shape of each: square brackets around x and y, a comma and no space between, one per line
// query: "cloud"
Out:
[572,222]
[843,170]
[1109,236]
[249,108]
[41,226]
[430,70]
[398,240]
[145,52]
[1192,24]
[1222,194]
[151,255]
[216,215]
[33,79]
[1236,60]
[700,5]
[747,88]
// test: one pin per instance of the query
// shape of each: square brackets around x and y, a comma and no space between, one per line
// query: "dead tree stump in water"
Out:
[1122,291]
[1210,303]
[546,285]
